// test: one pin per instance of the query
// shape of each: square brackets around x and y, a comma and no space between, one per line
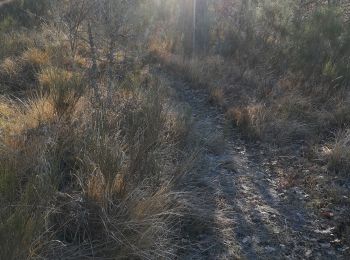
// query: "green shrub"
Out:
[319,44]
[26,13]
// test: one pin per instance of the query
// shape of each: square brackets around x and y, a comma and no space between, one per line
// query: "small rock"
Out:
[325,245]
[327,214]
[270,249]
[246,240]
[331,253]
[344,249]
[300,216]
[256,239]
[325,231]
[308,253]
[336,241]
[276,230]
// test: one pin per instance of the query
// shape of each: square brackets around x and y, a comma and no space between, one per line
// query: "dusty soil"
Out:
[236,209]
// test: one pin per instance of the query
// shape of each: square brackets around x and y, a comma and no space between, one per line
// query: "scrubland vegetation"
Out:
[281,57]
[91,149]
[280,72]
[86,170]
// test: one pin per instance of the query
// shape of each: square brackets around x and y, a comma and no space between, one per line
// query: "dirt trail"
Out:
[239,211]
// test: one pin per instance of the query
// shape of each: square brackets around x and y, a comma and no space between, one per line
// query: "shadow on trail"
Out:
[234,207]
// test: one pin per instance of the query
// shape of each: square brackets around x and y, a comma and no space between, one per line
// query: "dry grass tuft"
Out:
[249,119]
[64,88]
[19,74]
[13,44]
[17,117]
[36,57]
[338,154]
[217,96]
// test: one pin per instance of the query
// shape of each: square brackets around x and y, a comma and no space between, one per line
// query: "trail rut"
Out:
[238,211]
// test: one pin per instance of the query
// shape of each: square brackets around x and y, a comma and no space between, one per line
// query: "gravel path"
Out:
[237,210]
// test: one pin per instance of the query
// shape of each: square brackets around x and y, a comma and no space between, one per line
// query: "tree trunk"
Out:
[110,60]
[94,68]
[201,33]
[186,20]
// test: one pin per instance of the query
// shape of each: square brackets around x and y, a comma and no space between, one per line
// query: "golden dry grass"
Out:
[95,180]
[80,179]
[338,153]
[36,57]
[249,119]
